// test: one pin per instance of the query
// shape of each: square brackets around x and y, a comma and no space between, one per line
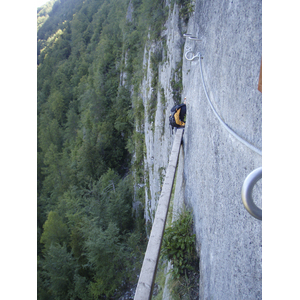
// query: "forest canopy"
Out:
[91,232]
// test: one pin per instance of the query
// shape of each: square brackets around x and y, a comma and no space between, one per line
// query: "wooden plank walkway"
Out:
[147,276]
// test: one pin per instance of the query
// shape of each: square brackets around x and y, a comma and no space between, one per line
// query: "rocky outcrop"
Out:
[158,138]
[214,163]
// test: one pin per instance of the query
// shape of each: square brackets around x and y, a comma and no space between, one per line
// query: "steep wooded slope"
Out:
[108,74]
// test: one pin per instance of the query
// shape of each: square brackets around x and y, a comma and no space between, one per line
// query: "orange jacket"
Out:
[176,116]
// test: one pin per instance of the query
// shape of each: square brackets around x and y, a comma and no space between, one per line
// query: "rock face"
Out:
[158,138]
[214,164]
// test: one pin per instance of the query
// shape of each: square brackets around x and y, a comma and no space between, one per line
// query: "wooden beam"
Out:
[147,276]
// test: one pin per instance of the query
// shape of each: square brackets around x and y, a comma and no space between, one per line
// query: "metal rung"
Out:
[187,35]
[191,37]
[247,190]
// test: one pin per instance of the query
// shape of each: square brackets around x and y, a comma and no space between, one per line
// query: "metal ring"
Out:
[193,57]
[247,190]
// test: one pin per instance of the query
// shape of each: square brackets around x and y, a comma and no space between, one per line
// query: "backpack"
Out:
[172,121]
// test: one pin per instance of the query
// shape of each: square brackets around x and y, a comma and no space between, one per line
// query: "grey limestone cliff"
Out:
[158,138]
[213,163]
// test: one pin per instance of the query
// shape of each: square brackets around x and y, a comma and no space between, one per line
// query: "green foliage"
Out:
[163,97]
[186,9]
[138,111]
[85,122]
[55,231]
[100,244]
[90,241]
[163,102]
[155,59]
[43,13]
[160,280]
[176,83]
[59,268]
[105,253]
[179,245]
[162,174]
[179,248]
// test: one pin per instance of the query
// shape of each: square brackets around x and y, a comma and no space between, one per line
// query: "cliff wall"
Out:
[158,138]
[215,164]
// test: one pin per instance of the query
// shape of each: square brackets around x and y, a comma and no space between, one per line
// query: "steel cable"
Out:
[255,175]
[247,144]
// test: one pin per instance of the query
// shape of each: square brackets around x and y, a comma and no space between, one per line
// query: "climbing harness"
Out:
[253,177]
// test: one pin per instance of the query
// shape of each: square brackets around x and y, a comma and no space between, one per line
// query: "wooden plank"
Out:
[148,271]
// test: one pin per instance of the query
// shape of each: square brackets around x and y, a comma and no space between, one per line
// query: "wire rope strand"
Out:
[258,151]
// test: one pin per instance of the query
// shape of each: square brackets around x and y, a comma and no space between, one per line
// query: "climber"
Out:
[181,114]
[177,116]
